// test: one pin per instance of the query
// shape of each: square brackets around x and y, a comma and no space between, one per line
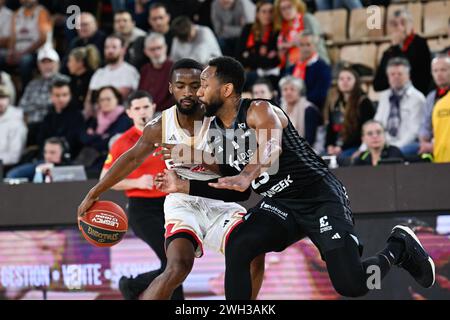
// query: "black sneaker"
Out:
[126,289]
[415,259]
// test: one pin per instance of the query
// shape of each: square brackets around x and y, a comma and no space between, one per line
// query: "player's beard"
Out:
[212,108]
[188,111]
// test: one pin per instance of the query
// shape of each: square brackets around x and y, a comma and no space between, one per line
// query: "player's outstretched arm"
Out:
[268,124]
[170,182]
[126,164]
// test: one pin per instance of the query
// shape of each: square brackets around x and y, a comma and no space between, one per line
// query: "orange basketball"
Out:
[104,224]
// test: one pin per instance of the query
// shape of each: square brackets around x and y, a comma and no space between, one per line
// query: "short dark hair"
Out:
[156,5]
[122,11]
[181,27]
[264,81]
[229,70]
[115,91]
[398,61]
[116,36]
[60,81]
[138,95]
[185,63]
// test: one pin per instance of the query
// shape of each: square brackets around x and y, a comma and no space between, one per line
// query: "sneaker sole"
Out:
[412,234]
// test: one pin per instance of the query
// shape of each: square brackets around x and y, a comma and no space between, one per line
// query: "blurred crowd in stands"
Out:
[363,95]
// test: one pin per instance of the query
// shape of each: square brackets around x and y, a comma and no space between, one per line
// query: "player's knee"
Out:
[178,269]
[351,289]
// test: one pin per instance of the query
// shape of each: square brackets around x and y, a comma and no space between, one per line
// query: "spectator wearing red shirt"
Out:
[145,202]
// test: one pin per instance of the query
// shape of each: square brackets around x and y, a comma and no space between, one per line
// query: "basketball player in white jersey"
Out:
[190,221]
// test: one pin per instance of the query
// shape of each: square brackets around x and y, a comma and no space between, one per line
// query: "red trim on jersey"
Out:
[232,228]
[170,233]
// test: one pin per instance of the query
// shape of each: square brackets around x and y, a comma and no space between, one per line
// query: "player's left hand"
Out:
[238,183]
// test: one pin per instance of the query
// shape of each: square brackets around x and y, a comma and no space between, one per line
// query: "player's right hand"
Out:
[87,202]
[169,182]
[178,153]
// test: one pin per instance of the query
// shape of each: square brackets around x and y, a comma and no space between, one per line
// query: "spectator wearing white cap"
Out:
[13,131]
[36,98]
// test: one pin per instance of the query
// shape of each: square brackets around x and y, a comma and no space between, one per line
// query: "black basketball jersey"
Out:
[297,167]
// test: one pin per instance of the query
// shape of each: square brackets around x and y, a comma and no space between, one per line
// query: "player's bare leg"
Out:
[180,259]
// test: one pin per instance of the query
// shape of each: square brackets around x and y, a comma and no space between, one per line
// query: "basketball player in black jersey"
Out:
[302,198]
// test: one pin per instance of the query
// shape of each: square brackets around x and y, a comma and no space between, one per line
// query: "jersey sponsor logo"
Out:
[324,224]
[198,168]
[280,186]
[267,207]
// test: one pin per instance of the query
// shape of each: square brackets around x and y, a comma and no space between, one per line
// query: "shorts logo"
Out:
[324,225]
[267,207]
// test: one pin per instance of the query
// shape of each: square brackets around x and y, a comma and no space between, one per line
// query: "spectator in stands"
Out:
[263,89]
[159,21]
[401,107]
[13,131]
[337,4]
[314,71]
[193,41]
[304,115]
[30,27]
[373,136]
[8,85]
[290,20]
[155,75]
[434,135]
[257,46]
[228,17]
[5,29]
[81,64]
[346,115]
[117,73]
[36,98]
[56,153]
[110,119]
[405,43]
[64,118]
[88,33]
[124,27]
